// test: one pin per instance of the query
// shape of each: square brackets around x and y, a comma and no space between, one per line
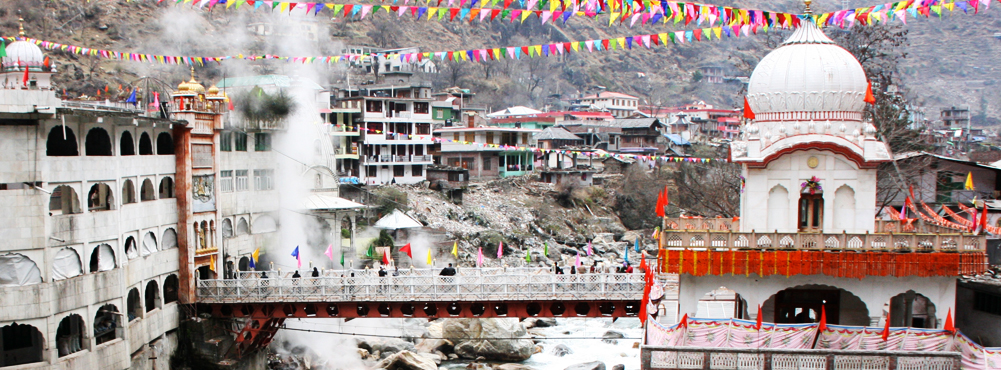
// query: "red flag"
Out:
[643,267]
[406,249]
[385,258]
[823,319]
[25,73]
[757,324]
[983,219]
[886,327]
[748,113]
[229,103]
[684,321]
[869,98]
[667,200]
[660,204]
[949,327]
[911,190]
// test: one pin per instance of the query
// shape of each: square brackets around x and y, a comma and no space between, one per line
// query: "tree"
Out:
[708,189]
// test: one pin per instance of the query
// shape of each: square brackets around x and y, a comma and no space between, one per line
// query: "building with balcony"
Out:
[488,152]
[955,117]
[89,264]
[806,245]
[618,104]
[395,126]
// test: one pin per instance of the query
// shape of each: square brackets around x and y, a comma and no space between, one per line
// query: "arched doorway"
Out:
[152,296]
[170,285]
[145,144]
[61,142]
[98,142]
[69,335]
[127,146]
[20,344]
[63,201]
[911,309]
[106,324]
[804,304]
[134,305]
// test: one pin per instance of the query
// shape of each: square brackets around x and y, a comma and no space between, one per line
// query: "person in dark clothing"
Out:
[397,271]
[559,271]
[296,275]
[573,270]
[316,272]
[382,271]
[264,274]
[594,267]
[629,268]
[448,271]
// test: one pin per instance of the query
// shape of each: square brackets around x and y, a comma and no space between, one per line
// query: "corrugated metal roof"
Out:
[556,133]
[635,122]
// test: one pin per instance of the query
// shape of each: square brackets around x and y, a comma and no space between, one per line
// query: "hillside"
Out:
[949,62]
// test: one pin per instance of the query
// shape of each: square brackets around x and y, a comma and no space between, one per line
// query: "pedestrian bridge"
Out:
[472,292]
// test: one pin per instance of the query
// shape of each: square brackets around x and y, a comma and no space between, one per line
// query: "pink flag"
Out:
[330,252]
[479,258]
[577,262]
[589,250]
[500,249]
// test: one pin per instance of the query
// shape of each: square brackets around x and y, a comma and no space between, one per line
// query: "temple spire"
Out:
[20,26]
[808,10]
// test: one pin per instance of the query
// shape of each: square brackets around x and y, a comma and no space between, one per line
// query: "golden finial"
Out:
[20,26]
[192,73]
[808,11]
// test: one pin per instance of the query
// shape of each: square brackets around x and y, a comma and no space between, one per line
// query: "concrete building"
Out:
[619,104]
[488,152]
[89,264]
[395,128]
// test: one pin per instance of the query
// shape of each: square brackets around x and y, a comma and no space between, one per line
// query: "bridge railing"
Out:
[672,358]
[423,285]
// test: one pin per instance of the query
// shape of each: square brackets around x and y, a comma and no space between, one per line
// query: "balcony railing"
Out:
[385,158]
[674,358]
[879,242]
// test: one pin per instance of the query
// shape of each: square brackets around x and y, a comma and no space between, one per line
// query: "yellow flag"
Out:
[455,249]
[525,14]
[969,181]
[212,263]
[256,255]
[430,262]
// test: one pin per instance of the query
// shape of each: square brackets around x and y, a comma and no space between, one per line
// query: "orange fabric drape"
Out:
[845,264]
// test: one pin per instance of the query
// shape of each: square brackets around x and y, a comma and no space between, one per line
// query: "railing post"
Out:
[829,359]
[767,361]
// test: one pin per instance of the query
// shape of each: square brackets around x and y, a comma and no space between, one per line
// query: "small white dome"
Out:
[25,52]
[807,73]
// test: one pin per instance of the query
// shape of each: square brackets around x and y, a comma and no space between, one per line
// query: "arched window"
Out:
[227,228]
[152,295]
[242,228]
[135,309]
[64,201]
[66,264]
[17,269]
[102,259]
[170,289]
[244,264]
[169,239]
[106,323]
[21,344]
[127,146]
[811,211]
[98,142]
[61,143]
[166,188]
[100,198]
[147,192]
[69,335]
[145,144]
[131,250]
[164,144]
[149,244]
[265,224]
[128,192]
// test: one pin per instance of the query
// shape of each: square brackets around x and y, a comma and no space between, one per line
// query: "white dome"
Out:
[807,73]
[25,52]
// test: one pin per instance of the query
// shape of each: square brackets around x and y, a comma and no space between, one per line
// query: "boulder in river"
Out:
[593,365]
[611,336]
[385,346]
[561,350]
[472,338]
[407,360]
[619,367]
[513,367]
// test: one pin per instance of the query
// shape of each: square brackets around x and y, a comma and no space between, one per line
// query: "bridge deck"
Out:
[423,285]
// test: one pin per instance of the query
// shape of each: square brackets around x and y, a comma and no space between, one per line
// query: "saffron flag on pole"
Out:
[757,323]
[949,326]
[26,75]
[330,252]
[869,97]
[430,261]
[212,263]
[748,113]
[969,181]
[823,320]
[886,328]
[406,249]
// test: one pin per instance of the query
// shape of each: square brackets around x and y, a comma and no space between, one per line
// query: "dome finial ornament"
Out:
[808,2]
[20,26]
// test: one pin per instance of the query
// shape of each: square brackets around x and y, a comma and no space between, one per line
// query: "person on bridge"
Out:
[629,268]
[296,275]
[558,270]
[264,274]
[448,271]
[382,271]
[316,273]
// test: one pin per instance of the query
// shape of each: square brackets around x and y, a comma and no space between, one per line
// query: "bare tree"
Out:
[708,189]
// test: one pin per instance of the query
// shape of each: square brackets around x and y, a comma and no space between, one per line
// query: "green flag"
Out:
[370,253]
[545,251]
[3,48]
[342,259]
[528,255]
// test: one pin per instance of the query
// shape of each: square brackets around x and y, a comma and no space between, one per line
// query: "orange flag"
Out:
[823,319]
[660,205]
[748,113]
[757,325]
[869,98]
[886,327]
[684,321]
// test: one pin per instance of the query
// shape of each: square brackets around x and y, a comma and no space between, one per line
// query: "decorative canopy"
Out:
[397,220]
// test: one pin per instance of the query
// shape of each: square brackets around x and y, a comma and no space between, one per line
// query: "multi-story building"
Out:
[395,128]
[619,104]
[488,152]
[955,117]
[89,264]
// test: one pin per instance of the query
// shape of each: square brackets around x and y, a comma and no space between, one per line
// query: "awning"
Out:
[677,139]
[397,220]
[320,201]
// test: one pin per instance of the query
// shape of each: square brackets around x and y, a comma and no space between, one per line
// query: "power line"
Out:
[403,336]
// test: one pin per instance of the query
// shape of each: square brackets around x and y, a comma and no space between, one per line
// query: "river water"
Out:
[569,332]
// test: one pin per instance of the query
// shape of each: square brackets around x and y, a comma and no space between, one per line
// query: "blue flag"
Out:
[625,257]
[132,98]
[252,265]
[298,260]
[636,245]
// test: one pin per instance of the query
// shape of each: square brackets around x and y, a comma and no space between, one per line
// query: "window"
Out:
[987,302]
[98,142]
[226,142]
[164,144]
[262,142]
[373,106]
[398,171]
[145,144]
[126,145]
[439,114]
[240,139]
[61,142]
[490,138]
[242,180]
[470,136]
[418,170]
[455,137]
[486,163]
[421,108]
[263,179]
[423,129]
[811,212]
[371,171]
[226,181]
